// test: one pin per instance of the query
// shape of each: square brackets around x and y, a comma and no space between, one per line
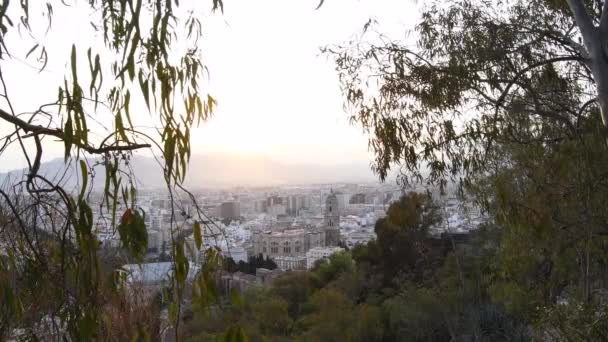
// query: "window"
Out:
[298,246]
[264,249]
[286,249]
[274,247]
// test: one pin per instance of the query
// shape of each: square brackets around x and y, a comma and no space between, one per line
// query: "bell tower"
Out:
[332,220]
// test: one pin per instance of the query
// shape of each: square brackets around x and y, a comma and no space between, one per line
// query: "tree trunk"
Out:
[599,69]
[594,39]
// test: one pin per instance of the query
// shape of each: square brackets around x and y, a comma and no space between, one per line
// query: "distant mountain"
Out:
[217,170]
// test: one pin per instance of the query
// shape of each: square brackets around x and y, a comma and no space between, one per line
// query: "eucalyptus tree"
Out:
[506,98]
[141,52]
[591,18]
[472,68]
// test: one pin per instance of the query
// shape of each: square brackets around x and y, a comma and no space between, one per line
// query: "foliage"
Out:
[575,321]
[249,267]
[402,249]
[143,55]
[339,301]
[337,264]
[480,74]
[508,100]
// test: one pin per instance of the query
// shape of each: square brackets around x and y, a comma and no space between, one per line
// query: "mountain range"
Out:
[217,170]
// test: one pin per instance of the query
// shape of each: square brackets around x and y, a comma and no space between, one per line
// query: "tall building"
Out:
[295,203]
[332,220]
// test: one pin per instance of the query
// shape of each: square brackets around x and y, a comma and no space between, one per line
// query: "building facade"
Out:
[287,243]
[286,263]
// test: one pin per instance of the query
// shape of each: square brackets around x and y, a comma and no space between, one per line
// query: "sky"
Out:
[278,96]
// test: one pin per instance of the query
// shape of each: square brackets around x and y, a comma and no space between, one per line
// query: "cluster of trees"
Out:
[508,101]
[410,286]
[249,267]
[405,286]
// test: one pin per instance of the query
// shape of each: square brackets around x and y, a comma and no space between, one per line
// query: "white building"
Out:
[287,243]
[155,240]
[237,253]
[154,273]
[286,263]
[319,253]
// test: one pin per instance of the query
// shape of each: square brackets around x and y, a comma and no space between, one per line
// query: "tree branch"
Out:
[533,66]
[37,129]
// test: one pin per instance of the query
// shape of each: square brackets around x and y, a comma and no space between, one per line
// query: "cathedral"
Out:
[295,242]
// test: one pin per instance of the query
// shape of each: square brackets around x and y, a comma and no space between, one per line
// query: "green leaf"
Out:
[85,223]
[68,138]
[172,312]
[181,264]
[127,103]
[131,67]
[210,103]
[198,238]
[236,299]
[73,62]
[143,85]
[120,127]
[169,154]
[218,4]
[83,171]
[31,50]
[133,233]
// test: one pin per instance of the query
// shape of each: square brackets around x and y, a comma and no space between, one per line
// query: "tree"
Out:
[586,14]
[52,271]
[295,288]
[337,264]
[402,248]
[272,315]
[502,98]
[332,319]
[480,74]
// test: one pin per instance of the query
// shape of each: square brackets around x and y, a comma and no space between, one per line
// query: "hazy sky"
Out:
[277,95]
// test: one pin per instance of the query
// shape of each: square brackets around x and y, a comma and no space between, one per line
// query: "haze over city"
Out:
[311,170]
[277,96]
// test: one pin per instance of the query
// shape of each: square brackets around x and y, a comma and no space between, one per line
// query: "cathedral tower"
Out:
[332,220]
